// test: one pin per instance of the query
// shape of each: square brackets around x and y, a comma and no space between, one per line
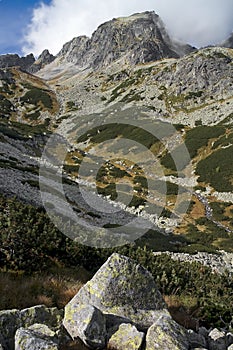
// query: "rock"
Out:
[196,340]
[126,337]
[204,332]
[11,320]
[230,347]
[139,38]
[86,322]
[229,339]
[166,334]
[43,329]
[123,288]
[28,339]
[13,60]
[45,58]
[41,314]
[9,323]
[217,340]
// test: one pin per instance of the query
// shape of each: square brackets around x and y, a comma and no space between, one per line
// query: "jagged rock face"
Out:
[206,73]
[45,58]
[14,60]
[139,38]
[27,63]
[229,42]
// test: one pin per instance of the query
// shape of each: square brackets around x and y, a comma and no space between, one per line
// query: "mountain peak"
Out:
[139,38]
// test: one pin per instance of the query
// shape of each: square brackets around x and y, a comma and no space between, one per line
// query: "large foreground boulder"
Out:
[120,288]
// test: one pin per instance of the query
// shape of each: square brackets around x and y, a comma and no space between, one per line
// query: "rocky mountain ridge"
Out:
[27,63]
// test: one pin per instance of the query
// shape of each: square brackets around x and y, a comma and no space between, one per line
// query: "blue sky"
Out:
[34,25]
[15,15]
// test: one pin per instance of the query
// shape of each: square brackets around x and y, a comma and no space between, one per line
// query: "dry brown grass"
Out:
[182,310]
[53,288]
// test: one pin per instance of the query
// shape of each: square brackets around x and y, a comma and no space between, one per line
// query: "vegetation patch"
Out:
[32,246]
[36,96]
[217,170]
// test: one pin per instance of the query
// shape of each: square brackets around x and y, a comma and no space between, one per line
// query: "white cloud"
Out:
[199,22]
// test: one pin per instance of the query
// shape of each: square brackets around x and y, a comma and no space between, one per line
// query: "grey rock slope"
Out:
[138,38]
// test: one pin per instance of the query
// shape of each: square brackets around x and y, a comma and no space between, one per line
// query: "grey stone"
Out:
[123,288]
[217,340]
[43,329]
[41,314]
[196,340]
[229,338]
[126,337]
[166,334]
[9,323]
[86,322]
[28,339]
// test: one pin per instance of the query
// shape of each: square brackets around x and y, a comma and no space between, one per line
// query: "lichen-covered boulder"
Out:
[126,337]
[87,323]
[42,315]
[166,334]
[9,323]
[123,288]
[217,340]
[28,339]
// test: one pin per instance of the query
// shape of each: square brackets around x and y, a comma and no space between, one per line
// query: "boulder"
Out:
[43,329]
[166,334]
[28,339]
[9,323]
[229,339]
[126,337]
[196,340]
[122,288]
[230,347]
[217,340]
[88,323]
[41,314]
[11,320]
